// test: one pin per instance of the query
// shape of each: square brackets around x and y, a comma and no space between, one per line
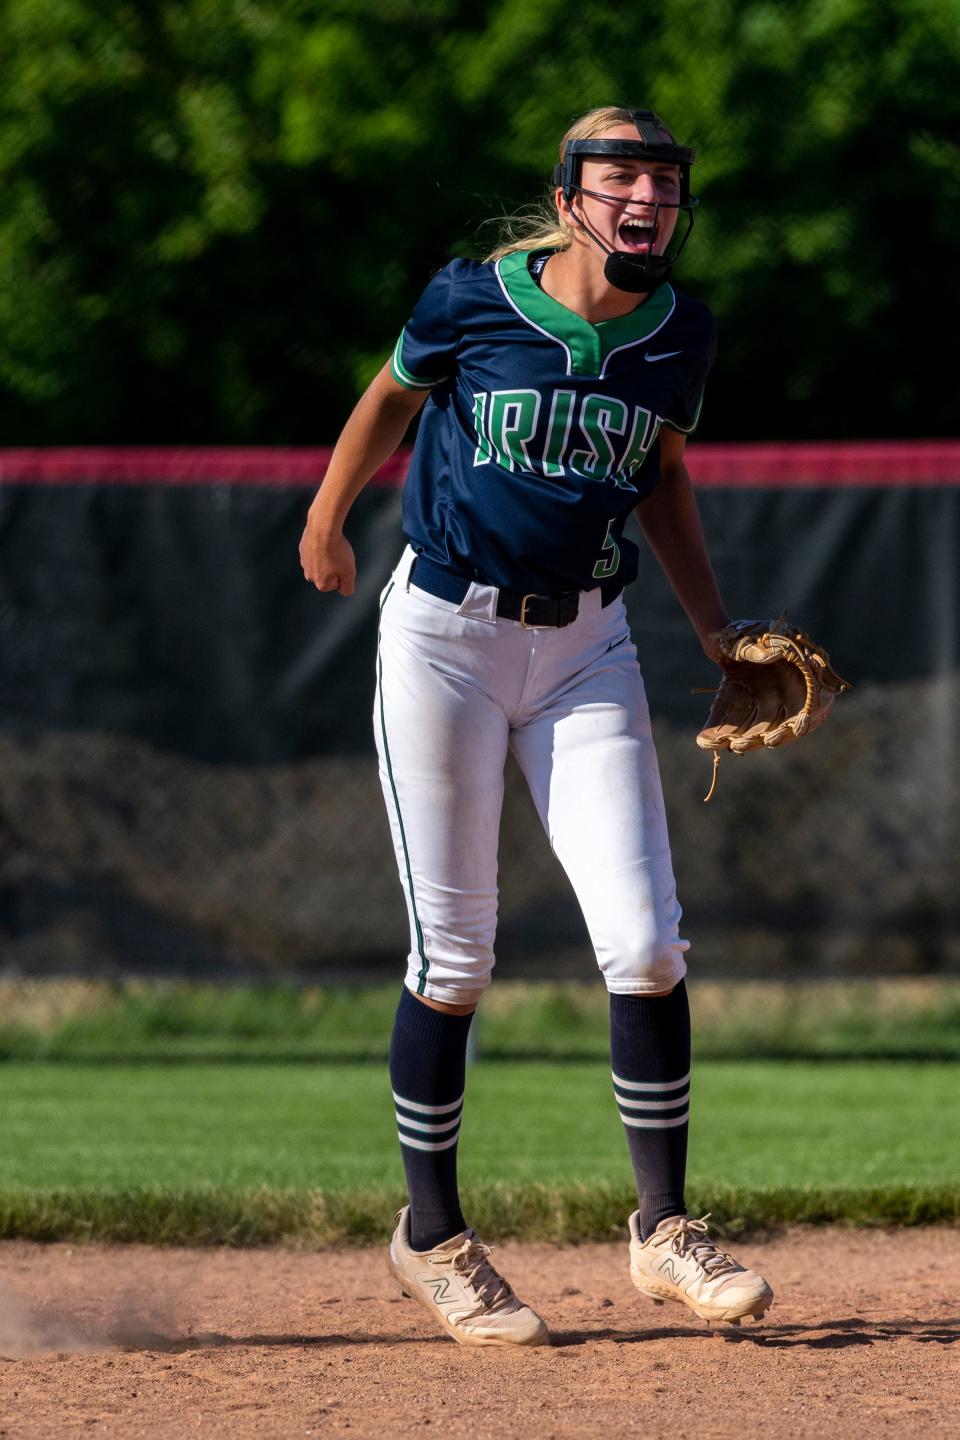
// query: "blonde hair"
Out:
[540,227]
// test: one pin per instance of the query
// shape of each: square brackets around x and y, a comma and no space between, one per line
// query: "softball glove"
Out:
[777,686]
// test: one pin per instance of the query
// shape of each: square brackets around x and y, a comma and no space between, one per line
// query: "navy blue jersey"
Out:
[540,433]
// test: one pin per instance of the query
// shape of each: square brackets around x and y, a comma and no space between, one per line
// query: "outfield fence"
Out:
[188,785]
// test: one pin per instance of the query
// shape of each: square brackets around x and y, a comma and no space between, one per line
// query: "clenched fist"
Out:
[327,557]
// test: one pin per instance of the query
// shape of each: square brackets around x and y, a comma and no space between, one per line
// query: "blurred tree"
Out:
[217,213]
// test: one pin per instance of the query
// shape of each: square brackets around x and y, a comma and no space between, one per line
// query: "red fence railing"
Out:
[831,465]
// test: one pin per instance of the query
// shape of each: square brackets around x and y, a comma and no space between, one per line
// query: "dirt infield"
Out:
[864,1338]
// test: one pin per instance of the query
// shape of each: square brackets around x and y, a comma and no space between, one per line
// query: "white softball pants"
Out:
[457,687]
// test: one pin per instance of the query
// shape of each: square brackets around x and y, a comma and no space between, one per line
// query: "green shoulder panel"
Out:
[587,346]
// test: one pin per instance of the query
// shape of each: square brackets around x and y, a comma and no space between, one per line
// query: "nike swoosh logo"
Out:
[667,354]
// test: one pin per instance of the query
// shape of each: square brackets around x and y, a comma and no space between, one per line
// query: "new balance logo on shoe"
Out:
[681,1262]
[463,1292]
[441,1290]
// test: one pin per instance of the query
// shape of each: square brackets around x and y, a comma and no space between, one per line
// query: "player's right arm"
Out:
[374,430]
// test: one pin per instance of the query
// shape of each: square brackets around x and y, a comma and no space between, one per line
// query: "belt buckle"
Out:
[523,612]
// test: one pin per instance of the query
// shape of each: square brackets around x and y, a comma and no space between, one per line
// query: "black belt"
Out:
[533,611]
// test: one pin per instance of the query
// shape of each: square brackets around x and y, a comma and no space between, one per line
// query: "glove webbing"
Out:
[796,657]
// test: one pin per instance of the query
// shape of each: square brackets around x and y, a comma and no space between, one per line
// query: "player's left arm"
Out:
[670,520]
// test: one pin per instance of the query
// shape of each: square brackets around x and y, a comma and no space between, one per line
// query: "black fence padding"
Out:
[179,616]
[188,783]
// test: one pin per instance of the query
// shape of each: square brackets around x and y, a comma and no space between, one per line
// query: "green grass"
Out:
[95,1021]
[250,1153]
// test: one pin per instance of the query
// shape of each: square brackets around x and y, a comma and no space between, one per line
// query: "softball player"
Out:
[561,378]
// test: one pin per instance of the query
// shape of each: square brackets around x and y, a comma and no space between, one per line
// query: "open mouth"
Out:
[636,236]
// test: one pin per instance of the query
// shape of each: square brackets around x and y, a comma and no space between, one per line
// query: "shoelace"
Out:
[471,1262]
[693,1237]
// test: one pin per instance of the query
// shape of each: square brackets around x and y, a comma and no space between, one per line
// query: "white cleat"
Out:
[462,1290]
[680,1262]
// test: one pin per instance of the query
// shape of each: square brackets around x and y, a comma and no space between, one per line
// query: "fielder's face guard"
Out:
[634,273]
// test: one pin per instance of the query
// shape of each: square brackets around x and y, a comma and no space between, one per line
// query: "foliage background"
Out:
[218,213]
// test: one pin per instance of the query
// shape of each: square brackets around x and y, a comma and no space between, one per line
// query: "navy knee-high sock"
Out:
[428,1050]
[650,1051]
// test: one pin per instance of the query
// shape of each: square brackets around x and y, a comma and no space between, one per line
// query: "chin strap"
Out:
[636,274]
[624,272]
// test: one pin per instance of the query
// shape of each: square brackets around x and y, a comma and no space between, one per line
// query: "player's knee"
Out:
[449,1007]
[651,965]
[453,976]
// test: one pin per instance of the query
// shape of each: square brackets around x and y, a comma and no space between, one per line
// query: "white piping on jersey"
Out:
[630,343]
[532,323]
[688,429]
[407,377]
[563,344]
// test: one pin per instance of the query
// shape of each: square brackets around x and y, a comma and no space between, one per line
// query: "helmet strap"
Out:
[635,274]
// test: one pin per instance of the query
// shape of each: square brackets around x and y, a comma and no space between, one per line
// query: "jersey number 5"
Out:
[605,568]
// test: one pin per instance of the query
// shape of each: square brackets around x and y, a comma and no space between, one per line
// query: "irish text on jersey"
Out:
[598,437]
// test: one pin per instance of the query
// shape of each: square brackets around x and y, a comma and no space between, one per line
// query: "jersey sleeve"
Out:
[425,352]
[685,412]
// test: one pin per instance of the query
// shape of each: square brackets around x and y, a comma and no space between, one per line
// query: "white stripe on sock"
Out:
[429,1127]
[427,1109]
[426,1144]
[643,1085]
[653,1104]
[656,1124]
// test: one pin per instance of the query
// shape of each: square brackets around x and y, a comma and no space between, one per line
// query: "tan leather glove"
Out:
[777,686]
